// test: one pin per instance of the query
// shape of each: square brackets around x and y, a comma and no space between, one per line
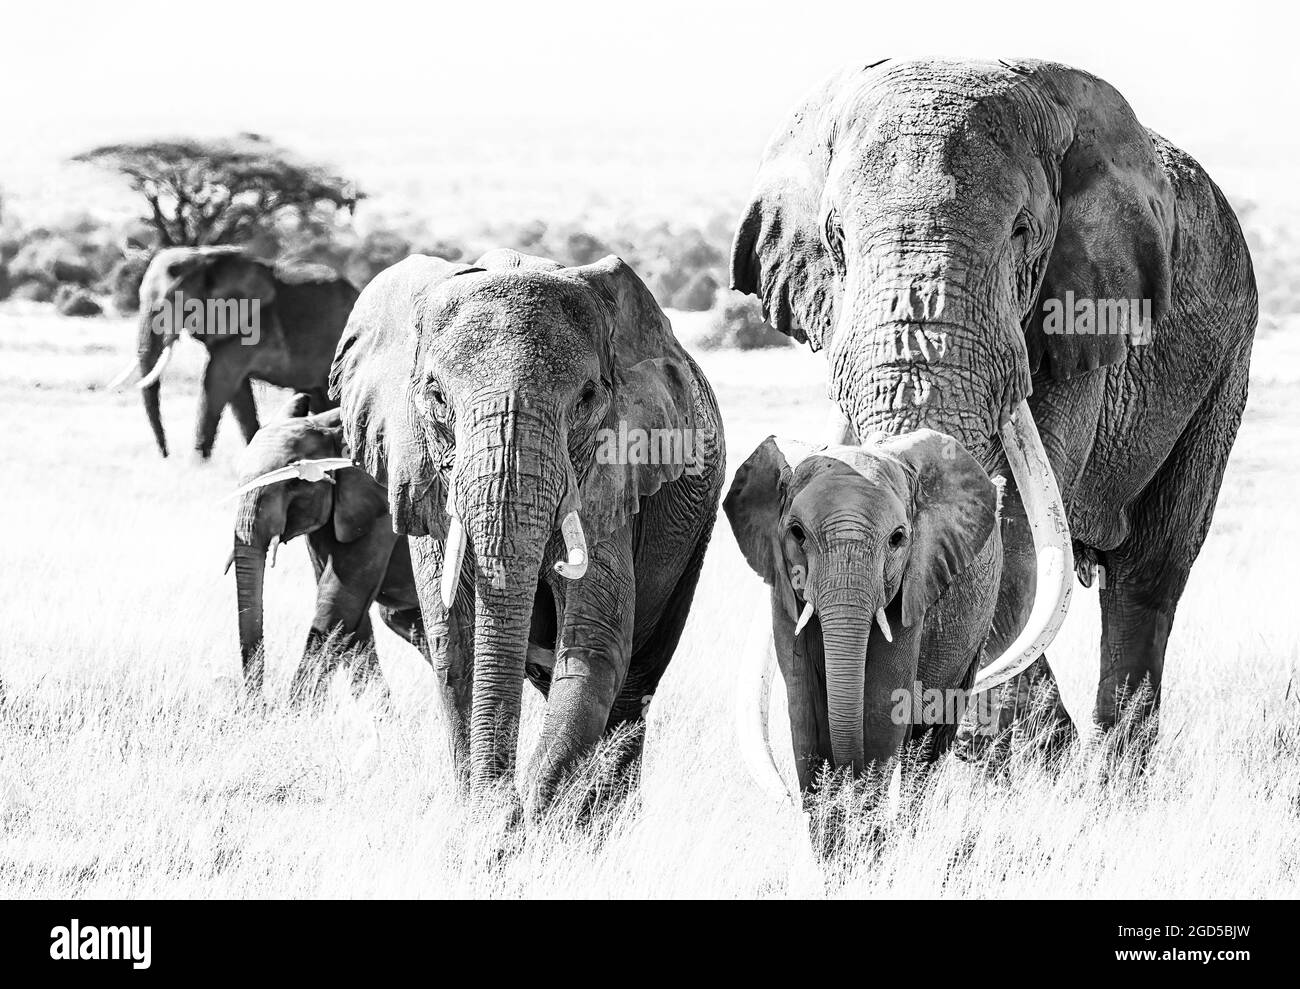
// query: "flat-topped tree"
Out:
[221,191]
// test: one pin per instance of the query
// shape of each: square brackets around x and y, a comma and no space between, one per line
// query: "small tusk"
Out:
[275,547]
[229,560]
[453,557]
[883,622]
[575,543]
[805,617]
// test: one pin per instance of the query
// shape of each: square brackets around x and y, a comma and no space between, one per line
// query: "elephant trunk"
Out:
[153,349]
[509,481]
[250,569]
[846,604]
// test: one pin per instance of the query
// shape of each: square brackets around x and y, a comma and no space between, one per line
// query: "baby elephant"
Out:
[859,544]
[296,480]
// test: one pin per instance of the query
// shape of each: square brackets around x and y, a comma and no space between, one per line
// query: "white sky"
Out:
[1222,83]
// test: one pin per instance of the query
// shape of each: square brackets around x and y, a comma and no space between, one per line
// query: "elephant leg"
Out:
[592,656]
[649,663]
[227,369]
[449,647]
[244,409]
[1145,576]
[349,581]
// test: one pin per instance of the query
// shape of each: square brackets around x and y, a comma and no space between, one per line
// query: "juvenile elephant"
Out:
[858,543]
[276,325]
[295,480]
[1001,252]
[557,459]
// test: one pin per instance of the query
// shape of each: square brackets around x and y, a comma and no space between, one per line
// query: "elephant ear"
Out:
[779,254]
[359,502]
[231,273]
[1115,235]
[754,504]
[954,512]
[371,380]
[654,386]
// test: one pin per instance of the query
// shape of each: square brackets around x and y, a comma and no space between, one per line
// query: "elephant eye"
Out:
[586,397]
[897,537]
[797,533]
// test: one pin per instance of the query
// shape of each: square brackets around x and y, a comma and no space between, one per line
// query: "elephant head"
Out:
[861,537]
[209,292]
[293,480]
[913,218]
[479,395]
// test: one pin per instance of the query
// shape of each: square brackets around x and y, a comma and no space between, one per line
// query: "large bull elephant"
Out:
[273,324]
[296,481]
[1001,252]
[556,457]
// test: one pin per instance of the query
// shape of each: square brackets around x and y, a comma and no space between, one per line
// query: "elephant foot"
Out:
[500,833]
[1130,731]
[589,791]
[1023,718]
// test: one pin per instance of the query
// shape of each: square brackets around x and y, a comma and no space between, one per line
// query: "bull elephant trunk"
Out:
[153,350]
[250,570]
[508,487]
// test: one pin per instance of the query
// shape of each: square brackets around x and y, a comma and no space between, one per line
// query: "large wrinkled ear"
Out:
[359,502]
[654,395]
[954,509]
[1115,235]
[372,381]
[779,253]
[754,504]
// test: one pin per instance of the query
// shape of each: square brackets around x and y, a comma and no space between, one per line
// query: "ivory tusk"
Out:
[453,557]
[159,366]
[229,560]
[805,617]
[883,622]
[275,548]
[1051,531]
[575,545]
[753,696]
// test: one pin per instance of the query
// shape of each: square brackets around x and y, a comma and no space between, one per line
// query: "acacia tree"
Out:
[221,191]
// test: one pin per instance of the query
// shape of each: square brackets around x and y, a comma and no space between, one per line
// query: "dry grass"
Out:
[126,769]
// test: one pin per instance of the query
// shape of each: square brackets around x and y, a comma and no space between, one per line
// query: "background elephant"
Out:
[288,339]
[920,220]
[485,398]
[358,558]
[857,543]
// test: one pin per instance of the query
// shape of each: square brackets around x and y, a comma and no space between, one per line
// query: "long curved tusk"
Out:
[753,696]
[805,617]
[159,366]
[1051,531]
[453,557]
[123,376]
[883,622]
[575,545]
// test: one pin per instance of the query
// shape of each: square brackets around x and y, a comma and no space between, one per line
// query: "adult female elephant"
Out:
[295,480]
[927,224]
[275,325]
[494,402]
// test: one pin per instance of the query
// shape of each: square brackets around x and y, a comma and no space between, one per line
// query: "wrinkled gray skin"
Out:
[909,220]
[357,557]
[487,385]
[301,318]
[850,530]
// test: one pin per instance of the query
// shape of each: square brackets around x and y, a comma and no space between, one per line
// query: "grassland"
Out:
[128,769]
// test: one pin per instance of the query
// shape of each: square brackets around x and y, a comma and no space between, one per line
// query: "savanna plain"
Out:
[129,767]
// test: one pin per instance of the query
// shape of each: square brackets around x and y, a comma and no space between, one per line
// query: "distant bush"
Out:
[378,250]
[123,282]
[738,324]
[51,260]
[697,295]
[32,292]
[72,300]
